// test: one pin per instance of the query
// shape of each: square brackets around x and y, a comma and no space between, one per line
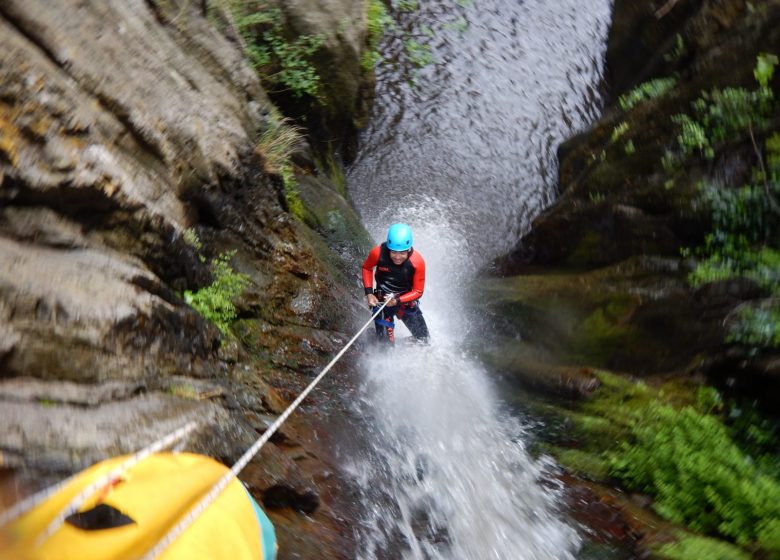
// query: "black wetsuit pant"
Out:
[410,314]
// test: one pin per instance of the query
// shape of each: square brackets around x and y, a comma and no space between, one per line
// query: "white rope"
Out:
[20,508]
[76,503]
[223,482]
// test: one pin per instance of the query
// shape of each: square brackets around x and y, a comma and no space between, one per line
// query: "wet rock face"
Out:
[617,201]
[105,162]
[636,317]
[115,139]
[122,125]
[620,204]
[639,33]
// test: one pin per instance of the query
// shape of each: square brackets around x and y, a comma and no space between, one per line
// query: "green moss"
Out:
[690,547]
[583,463]
[183,390]
[419,54]
[587,249]
[292,194]
[603,332]
[335,172]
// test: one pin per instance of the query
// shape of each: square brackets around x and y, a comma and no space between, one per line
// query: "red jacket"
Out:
[406,281]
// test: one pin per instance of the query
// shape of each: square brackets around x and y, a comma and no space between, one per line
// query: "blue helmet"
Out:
[399,237]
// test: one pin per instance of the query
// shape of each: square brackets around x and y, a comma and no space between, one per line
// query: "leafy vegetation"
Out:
[745,220]
[215,301]
[619,131]
[418,53]
[699,476]
[191,238]
[283,63]
[690,547]
[645,91]
[725,114]
[711,466]
[756,435]
[678,51]
[378,21]
[756,328]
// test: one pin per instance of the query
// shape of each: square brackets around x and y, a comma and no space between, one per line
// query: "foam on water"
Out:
[467,157]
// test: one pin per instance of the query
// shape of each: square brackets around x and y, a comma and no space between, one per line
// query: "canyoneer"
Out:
[395,270]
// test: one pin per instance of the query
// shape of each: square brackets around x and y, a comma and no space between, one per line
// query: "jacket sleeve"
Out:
[418,281]
[368,269]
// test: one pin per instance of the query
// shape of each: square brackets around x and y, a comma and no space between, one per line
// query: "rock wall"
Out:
[622,210]
[123,124]
[595,307]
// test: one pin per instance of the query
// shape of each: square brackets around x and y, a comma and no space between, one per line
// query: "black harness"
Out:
[392,278]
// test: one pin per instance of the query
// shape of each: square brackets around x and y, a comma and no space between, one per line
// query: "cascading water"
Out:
[465,154]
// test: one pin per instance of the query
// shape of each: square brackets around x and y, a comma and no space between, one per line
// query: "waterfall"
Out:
[463,150]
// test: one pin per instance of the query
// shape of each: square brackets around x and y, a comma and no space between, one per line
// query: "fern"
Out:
[215,302]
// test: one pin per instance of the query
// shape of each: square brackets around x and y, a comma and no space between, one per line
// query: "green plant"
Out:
[698,476]
[278,142]
[678,51]
[690,547]
[629,148]
[773,155]
[191,238]
[619,131]
[756,328]
[692,137]
[276,146]
[408,5]
[708,399]
[756,435]
[215,301]
[280,61]
[595,197]
[645,91]
[735,260]
[765,69]
[378,21]
[418,53]
[724,114]
[460,25]
[745,220]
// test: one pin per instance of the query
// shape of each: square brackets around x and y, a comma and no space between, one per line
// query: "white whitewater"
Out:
[467,157]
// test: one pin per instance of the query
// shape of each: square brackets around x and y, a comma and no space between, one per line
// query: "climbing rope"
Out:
[26,505]
[223,482]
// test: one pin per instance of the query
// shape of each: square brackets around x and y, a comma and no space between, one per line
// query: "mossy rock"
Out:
[628,198]
[582,463]
[694,547]
[331,216]
[638,316]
